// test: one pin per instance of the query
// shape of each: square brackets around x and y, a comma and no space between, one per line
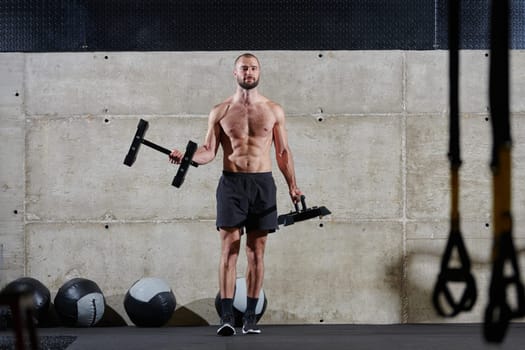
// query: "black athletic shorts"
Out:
[247,200]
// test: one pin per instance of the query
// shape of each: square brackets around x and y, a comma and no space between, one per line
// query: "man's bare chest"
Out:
[241,121]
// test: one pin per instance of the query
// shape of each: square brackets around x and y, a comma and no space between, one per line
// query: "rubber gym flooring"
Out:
[276,337]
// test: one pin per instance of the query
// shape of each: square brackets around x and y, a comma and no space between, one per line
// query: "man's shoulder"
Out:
[273,104]
[220,109]
[276,108]
[223,104]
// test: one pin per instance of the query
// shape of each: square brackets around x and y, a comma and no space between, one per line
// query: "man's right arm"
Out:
[207,151]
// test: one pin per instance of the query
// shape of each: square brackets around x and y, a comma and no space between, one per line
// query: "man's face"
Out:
[247,72]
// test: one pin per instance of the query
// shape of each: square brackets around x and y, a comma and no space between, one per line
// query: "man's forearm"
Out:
[285,163]
[203,155]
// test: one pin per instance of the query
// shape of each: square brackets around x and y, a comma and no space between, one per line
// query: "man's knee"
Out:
[255,252]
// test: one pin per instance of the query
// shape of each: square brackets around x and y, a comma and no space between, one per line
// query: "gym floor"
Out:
[276,337]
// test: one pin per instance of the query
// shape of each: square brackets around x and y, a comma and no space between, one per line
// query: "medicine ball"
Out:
[40,293]
[80,302]
[150,302]
[239,302]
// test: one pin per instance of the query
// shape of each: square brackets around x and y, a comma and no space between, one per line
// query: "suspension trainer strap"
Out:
[505,268]
[442,298]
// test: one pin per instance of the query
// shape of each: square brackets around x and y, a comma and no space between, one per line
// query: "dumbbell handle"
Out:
[162,149]
[303,203]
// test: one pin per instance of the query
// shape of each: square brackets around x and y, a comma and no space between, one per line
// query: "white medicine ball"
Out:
[150,302]
[80,302]
[240,300]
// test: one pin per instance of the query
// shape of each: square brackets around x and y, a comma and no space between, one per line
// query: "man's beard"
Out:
[248,86]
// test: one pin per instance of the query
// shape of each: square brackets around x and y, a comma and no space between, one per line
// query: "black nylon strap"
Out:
[442,298]
[498,312]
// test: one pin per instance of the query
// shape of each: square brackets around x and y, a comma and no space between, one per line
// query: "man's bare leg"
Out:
[255,246]
[230,246]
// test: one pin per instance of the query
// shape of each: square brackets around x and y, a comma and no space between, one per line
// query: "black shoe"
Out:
[226,329]
[249,324]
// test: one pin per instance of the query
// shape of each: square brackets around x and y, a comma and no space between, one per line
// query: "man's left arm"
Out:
[284,154]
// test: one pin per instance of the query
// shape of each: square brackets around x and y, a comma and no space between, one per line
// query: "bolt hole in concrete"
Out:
[320,119]
[320,55]
[487,225]
[17,94]
[106,227]
[106,57]
[321,225]
[15,211]
[106,121]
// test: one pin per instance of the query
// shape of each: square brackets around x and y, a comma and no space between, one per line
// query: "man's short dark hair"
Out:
[247,54]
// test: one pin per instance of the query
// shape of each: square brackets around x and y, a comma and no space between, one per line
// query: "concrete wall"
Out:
[369,132]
